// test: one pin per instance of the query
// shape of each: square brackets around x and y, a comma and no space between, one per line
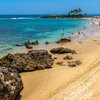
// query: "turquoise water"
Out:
[18,30]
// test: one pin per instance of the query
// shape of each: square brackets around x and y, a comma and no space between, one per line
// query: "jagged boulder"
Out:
[10,84]
[61,50]
[33,60]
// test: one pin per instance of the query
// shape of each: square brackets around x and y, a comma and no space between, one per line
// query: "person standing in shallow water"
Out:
[63,29]
[78,32]
[42,34]
[62,35]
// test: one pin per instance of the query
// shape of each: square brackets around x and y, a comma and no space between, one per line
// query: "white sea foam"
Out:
[20,18]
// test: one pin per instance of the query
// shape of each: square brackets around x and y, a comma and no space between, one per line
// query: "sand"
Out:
[63,82]
[53,83]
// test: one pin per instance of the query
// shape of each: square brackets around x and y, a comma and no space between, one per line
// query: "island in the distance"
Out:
[75,13]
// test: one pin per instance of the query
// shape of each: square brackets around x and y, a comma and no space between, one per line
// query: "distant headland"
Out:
[75,13]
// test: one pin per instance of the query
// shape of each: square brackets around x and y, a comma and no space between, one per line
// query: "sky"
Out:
[48,6]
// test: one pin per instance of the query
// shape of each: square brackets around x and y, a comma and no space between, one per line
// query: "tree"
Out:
[75,12]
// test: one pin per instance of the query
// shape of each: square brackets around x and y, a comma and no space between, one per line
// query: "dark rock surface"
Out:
[18,45]
[55,58]
[10,84]
[35,43]
[61,50]
[47,42]
[60,63]
[68,57]
[33,60]
[74,63]
[28,45]
[63,40]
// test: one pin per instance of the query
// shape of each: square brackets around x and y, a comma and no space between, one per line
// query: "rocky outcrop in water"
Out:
[10,84]
[35,43]
[47,42]
[63,40]
[33,60]
[61,50]
[28,45]
[18,45]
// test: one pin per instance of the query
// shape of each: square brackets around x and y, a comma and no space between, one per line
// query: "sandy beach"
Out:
[67,83]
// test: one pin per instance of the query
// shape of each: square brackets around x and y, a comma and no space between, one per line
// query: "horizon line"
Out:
[45,14]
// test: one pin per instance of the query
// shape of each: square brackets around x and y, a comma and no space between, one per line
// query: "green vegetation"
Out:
[76,13]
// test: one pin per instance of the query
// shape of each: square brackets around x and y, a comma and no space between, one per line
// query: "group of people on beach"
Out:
[79,33]
[94,21]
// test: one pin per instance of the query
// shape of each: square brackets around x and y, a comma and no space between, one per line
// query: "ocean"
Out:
[15,29]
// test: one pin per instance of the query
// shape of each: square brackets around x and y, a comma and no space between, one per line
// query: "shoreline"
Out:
[10,48]
[62,82]
[52,84]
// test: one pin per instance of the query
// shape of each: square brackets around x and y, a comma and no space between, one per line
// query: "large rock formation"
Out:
[10,84]
[61,50]
[33,60]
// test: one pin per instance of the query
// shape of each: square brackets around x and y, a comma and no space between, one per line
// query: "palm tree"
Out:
[75,13]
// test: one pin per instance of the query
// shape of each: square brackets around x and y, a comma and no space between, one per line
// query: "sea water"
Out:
[16,29]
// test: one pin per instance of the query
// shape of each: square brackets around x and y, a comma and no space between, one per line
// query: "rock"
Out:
[63,40]
[61,50]
[10,84]
[78,62]
[7,49]
[68,57]
[74,63]
[55,58]
[60,63]
[28,45]
[47,42]
[18,45]
[33,60]
[35,43]
[28,42]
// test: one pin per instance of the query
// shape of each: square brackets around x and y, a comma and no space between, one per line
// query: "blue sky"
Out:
[48,6]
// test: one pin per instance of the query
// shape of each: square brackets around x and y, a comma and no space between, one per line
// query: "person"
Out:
[72,33]
[62,35]
[63,29]
[69,38]
[78,32]
[84,27]
[42,33]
